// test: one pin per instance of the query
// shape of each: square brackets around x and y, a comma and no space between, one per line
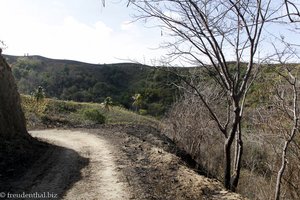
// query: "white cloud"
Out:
[72,39]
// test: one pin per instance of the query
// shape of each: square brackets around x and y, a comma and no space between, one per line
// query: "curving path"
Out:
[98,179]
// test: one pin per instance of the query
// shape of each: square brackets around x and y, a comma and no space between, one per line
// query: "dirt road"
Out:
[115,162]
[99,180]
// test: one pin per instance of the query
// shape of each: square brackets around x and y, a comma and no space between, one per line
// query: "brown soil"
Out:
[116,162]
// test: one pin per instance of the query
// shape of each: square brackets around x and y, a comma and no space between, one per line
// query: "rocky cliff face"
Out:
[12,121]
[17,148]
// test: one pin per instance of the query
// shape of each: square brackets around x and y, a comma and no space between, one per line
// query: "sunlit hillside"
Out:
[50,113]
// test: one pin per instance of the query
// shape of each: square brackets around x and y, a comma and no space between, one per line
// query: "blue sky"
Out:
[81,30]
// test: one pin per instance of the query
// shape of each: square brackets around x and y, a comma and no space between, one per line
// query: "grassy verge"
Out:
[51,113]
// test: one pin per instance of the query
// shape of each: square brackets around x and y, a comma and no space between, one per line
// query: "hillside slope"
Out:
[83,82]
[52,113]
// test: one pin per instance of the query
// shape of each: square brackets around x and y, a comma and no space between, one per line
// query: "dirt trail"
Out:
[116,162]
[99,179]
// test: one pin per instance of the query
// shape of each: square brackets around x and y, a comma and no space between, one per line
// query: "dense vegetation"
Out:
[82,82]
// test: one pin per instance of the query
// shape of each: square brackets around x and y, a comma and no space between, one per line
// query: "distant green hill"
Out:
[83,82]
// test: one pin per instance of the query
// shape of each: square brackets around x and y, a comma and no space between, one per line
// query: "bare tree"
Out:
[292,10]
[287,103]
[294,116]
[210,34]
[288,97]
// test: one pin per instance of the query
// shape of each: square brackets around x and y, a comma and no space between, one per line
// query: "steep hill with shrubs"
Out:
[83,82]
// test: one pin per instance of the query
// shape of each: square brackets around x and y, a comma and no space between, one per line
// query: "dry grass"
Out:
[51,113]
[190,128]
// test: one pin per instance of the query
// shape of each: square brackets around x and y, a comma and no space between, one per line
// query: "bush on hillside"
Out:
[94,115]
[62,107]
[143,112]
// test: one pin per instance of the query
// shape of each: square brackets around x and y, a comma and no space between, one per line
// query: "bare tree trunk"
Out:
[227,168]
[227,149]
[281,171]
[293,81]
[238,160]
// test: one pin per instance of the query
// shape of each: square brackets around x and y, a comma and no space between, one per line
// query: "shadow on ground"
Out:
[50,170]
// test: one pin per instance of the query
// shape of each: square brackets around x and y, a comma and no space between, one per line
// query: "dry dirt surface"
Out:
[115,162]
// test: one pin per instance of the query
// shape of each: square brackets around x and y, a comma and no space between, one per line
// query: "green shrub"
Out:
[143,112]
[94,115]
